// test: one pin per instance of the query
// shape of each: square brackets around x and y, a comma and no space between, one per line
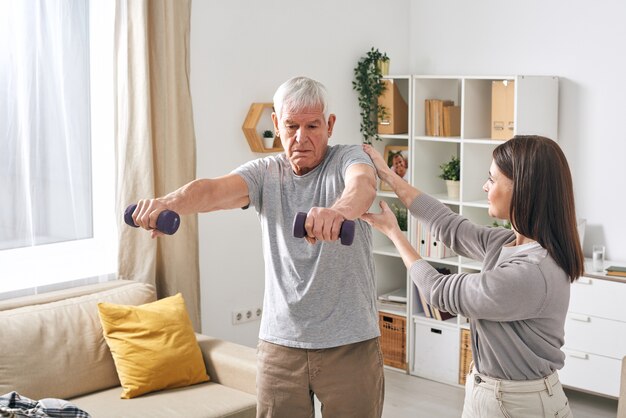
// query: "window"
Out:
[56,166]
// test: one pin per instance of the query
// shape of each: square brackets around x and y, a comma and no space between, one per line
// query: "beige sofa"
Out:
[51,346]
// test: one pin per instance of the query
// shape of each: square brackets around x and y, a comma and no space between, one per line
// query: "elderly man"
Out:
[319,331]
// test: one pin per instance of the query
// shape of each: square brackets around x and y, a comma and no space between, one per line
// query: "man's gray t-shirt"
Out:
[318,295]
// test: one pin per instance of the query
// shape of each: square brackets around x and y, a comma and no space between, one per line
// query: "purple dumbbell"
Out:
[346,233]
[167,222]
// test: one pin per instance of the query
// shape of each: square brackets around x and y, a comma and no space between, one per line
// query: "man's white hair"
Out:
[300,93]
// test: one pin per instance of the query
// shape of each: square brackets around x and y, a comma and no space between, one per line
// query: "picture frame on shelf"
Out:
[397,158]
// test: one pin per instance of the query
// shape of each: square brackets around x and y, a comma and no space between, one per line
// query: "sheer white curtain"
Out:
[45,144]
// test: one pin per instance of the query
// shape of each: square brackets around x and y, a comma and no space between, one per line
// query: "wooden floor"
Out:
[412,397]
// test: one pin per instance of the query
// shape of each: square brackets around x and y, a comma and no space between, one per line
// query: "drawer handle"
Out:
[583,280]
[578,354]
[579,317]
[435,330]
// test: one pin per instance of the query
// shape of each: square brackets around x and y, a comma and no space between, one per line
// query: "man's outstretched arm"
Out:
[202,195]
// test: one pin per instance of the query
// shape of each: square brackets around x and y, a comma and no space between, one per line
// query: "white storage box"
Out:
[436,350]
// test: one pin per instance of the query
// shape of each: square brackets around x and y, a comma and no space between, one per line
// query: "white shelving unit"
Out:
[433,346]
[390,271]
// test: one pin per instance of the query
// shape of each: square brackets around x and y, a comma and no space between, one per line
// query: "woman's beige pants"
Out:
[486,397]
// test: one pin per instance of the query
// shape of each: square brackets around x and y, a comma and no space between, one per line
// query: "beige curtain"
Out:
[155,141]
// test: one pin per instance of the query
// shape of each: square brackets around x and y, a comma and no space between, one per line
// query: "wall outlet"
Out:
[246,315]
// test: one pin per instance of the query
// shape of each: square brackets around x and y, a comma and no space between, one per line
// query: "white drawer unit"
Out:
[605,337]
[436,345]
[591,373]
[599,297]
[595,336]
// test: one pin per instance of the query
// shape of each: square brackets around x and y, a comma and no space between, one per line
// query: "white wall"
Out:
[582,43]
[240,52]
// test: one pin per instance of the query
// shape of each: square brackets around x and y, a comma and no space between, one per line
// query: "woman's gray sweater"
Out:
[516,305]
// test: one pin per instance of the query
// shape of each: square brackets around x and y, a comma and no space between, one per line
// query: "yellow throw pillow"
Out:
[154,346]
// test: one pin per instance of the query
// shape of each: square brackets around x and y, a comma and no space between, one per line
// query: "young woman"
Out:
[517,304]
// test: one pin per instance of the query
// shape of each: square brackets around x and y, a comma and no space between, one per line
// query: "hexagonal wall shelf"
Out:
[249,128]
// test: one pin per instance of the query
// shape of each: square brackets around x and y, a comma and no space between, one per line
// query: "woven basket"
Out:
[466,355]
[393,339]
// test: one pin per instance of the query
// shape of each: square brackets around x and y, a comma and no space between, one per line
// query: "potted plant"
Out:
[268,139]
[369,86]
[383,64]
[451,173]
[505,224]
[401,215]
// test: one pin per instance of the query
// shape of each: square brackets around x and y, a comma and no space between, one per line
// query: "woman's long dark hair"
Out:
[542,205]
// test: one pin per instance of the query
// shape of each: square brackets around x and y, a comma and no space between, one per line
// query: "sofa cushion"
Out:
[228,363]
[205,400]
[154,346]
[57,349]
[56,295]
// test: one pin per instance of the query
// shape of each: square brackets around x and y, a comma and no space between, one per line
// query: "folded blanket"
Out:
[12,405]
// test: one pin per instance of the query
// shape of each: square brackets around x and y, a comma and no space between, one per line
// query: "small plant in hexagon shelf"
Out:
[268,138]
[451,173]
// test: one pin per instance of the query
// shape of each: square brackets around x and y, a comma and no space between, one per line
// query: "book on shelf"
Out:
[452,121]
[616,271]
[441,315]
[393,301]
[392,306]
[429,310]
[442,118]
[421,302]
[398,295]
[428,246]
[397,308]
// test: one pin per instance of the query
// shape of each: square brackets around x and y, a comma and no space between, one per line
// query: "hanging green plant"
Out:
[369,86]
